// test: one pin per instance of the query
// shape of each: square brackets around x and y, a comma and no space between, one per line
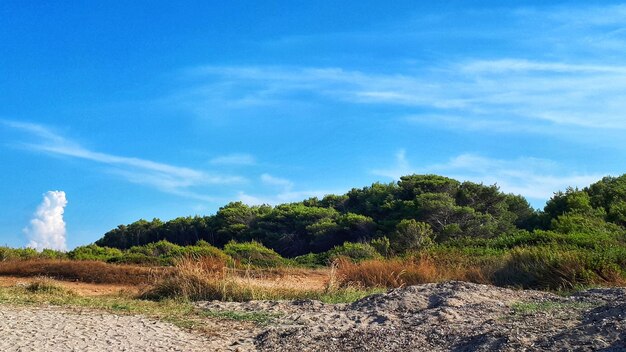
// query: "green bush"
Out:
[140,259]
[94,252]
[311,260]
[382,246]
[162,248]
[204,250]
[254,253]
[411,235]
[355,251]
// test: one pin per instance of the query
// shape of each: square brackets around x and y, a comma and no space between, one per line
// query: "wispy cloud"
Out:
[543,83]
[497,91]
[283,183]
[164,177]
[534,178]
[234,159]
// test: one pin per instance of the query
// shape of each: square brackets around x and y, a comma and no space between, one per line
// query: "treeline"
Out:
[417,211]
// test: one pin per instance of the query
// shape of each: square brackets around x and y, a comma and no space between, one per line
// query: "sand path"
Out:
[56,329]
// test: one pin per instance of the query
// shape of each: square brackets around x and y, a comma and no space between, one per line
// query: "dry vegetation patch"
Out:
[84,271]
[398,272]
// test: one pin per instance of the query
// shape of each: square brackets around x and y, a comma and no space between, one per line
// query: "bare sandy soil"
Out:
[55,329]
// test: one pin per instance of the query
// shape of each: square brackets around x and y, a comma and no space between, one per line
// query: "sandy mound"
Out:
[451,316]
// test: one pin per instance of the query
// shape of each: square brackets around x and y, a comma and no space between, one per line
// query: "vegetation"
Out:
[424,228]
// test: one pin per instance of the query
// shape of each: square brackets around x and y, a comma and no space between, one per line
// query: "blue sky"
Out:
[157,109]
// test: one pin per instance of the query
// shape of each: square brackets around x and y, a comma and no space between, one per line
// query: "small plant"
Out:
[44,285]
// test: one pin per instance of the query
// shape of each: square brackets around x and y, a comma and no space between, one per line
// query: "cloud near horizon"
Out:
[47,227]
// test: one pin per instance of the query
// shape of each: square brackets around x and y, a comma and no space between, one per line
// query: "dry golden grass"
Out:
[211,279]
[84,271]
[402,272]
[194,280]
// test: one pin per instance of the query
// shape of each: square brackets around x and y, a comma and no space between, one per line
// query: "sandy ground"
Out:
[54,329]
[451,316]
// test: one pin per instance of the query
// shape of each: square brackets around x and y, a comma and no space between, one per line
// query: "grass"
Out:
[400,272]
[45,285]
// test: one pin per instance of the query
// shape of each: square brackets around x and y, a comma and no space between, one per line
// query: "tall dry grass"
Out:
[207,279]
[84,271]
[213,279]
[395,273]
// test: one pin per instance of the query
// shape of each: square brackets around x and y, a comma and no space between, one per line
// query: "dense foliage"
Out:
[442,208]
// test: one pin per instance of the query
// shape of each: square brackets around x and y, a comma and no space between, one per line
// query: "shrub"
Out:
[94,252]
[204,249]
[355,251]
[254,253]
[382,246]
[312,260]
[140,259]
[411,235]
[52,254]
[162,248]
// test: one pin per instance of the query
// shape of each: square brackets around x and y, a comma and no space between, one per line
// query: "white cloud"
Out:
[277,181]
[164,177]
[533,178]
[47,228]
[234,159]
